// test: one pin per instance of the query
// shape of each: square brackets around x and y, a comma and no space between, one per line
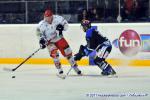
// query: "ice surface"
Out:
[39,82]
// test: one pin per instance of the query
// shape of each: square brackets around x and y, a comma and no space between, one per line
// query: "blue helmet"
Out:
[86,24]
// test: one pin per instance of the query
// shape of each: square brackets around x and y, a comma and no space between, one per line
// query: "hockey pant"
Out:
[65,50]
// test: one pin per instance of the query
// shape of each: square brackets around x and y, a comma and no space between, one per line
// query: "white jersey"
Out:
[48,31]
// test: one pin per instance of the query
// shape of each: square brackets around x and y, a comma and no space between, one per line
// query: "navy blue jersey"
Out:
[94,38]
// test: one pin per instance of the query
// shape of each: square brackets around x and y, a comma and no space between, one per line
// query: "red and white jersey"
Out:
[48,31]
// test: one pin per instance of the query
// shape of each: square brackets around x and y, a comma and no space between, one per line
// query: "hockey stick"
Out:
[7,69]
[68,72]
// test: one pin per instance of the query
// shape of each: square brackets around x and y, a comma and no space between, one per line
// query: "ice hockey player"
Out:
[98,47]
[49,32]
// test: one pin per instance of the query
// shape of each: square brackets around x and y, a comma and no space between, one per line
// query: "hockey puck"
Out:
[13,76]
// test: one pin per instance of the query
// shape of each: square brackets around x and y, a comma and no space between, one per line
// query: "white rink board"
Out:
[18,41]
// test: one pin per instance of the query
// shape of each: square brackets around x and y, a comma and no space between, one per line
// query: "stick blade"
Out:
[8,69]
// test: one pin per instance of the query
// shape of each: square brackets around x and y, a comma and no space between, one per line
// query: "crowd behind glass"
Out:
[98,11]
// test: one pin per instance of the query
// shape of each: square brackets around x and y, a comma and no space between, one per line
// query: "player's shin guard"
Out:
[105,67]
[108,70]
[58,65]
[74,65]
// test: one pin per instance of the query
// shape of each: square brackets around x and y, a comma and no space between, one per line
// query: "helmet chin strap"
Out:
[85,29]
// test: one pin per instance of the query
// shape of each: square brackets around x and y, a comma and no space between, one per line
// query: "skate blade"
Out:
[112,76]
[62,76]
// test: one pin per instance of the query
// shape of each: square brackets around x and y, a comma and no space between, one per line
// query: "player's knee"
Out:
[67,52]
[98,60]
[54,54]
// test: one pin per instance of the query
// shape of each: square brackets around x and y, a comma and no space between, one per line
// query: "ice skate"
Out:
[110,73]
[105,73]
[60,71]
[76,69]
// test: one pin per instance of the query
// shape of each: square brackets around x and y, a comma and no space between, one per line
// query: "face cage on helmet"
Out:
[85,27]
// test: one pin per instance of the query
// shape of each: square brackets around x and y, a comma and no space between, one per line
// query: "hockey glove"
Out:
[60,28]
[42,43]
[80,54]
[77,56]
